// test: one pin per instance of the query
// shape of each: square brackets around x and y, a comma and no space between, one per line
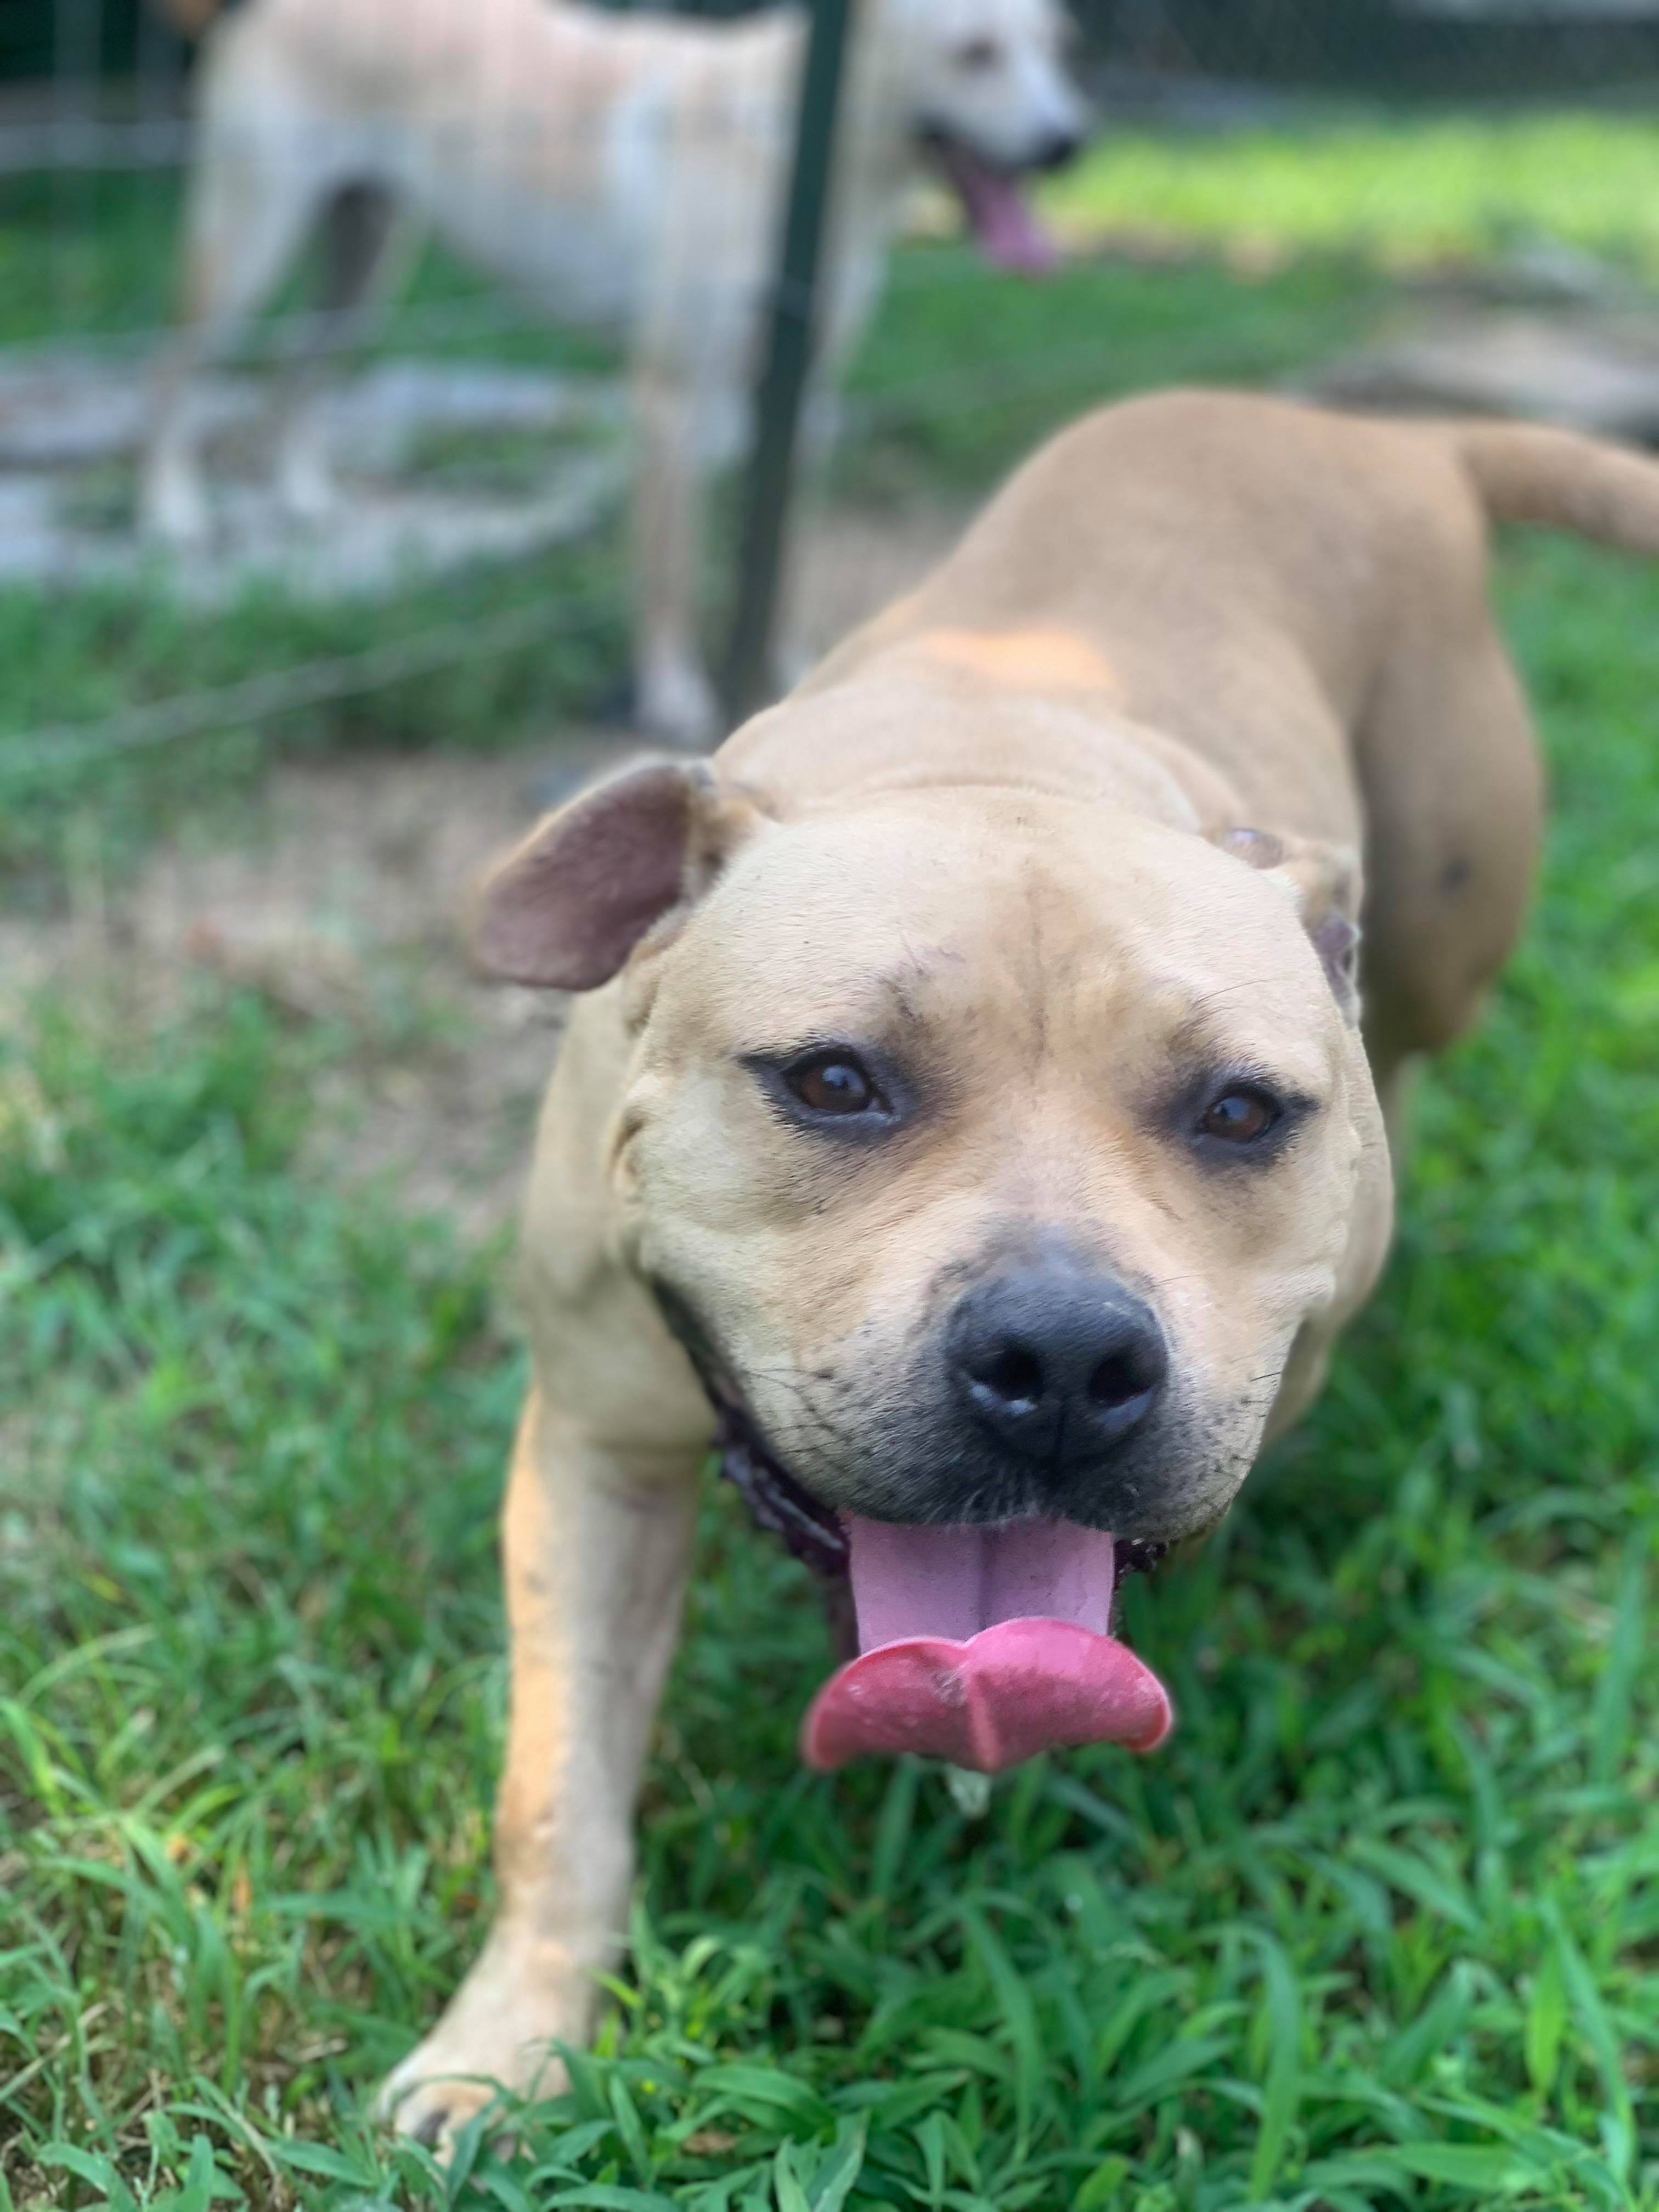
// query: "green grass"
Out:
[1406,188]
[73,659]
[1380,1927]
[965,372]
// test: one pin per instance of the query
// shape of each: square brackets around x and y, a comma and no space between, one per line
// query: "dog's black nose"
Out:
[1058,149]
[1059,1365]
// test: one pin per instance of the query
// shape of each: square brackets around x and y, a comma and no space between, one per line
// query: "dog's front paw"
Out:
[306,490]
[174,510]
[451,2077]
[676,704]
[432,2108]
[497,2034]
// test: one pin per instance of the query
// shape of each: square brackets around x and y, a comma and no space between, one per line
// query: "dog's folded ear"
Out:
[566,907]
[1325,882]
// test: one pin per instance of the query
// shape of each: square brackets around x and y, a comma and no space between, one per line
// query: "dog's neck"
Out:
[878,154]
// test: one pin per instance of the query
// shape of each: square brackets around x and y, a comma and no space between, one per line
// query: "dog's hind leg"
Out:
[1453,802]
[364,252]
[252,195]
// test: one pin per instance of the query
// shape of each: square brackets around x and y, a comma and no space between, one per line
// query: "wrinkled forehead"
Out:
[954,909]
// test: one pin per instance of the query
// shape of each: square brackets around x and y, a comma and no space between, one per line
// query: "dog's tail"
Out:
[1525,472]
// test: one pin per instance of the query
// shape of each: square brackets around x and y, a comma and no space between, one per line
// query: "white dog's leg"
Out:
[304,472]
[360,232]
[249,209]
[595,1543]
[794,647]
[676,701]
[172,503]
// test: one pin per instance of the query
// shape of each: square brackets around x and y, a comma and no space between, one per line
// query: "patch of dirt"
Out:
[1600,376]
[347,907]
[854,562]
[341,904]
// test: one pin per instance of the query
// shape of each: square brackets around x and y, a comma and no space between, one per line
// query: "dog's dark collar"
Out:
[776,1502]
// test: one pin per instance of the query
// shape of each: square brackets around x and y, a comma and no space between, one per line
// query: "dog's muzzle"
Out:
[1004,228]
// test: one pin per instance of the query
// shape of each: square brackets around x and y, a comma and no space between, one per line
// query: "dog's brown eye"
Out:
[979,54]
[833,1082]
[1239,1117]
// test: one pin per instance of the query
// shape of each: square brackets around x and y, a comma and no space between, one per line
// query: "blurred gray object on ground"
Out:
[1599,376]
[64,417]
[1537,11]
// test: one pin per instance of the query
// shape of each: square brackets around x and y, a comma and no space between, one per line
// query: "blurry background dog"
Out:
[627,169]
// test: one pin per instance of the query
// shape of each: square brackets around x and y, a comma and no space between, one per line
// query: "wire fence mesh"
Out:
[1443,49]
[99,101]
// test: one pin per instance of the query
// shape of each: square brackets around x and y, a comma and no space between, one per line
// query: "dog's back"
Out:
[1247,566]
[537,138]
[1298,599]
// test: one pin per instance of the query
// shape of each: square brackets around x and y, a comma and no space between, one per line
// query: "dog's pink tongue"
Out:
[999,214]
[982,1646]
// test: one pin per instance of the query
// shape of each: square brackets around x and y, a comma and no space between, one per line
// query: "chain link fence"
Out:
[1483,49]
[1439,48]
[960,371]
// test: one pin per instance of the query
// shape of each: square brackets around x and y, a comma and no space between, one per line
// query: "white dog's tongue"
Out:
[982,1646]
[997,214]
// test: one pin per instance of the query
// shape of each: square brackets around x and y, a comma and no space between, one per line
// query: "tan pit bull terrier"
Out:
[975,1121]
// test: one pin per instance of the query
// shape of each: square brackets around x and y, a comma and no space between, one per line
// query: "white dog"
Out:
[627,168]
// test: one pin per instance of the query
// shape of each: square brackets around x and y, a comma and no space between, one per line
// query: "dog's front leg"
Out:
[596,1540]
[674,699]
[795,646]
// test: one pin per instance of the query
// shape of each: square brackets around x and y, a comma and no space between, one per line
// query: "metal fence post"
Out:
[782,382]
